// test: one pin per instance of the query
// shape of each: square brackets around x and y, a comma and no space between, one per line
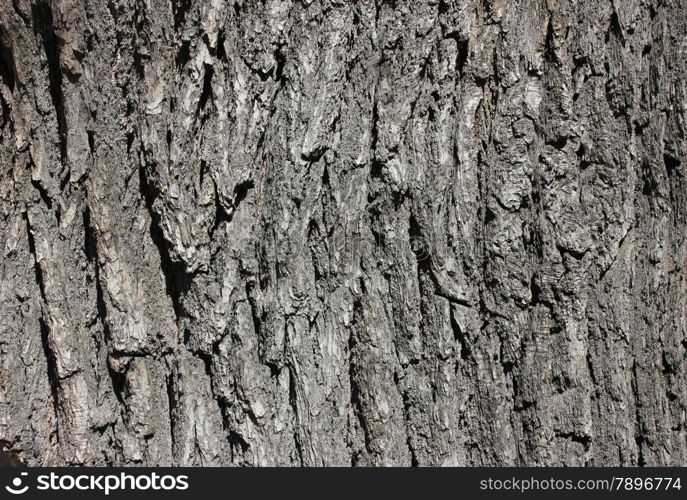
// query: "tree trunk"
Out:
[343,233]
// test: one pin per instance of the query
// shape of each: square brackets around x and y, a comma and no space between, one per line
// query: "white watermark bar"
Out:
[227,483]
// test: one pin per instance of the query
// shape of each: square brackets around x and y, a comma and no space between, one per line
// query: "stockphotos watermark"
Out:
[104,483]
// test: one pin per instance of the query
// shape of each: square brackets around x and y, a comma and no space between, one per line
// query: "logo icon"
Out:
[16,488]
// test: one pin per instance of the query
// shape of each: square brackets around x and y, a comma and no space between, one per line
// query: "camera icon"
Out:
[16,488]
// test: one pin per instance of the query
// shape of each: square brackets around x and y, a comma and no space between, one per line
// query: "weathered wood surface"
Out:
[343,233]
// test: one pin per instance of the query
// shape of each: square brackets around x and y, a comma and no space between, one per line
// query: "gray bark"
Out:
[343,233]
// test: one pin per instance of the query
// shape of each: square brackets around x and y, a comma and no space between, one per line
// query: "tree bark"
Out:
[343,233]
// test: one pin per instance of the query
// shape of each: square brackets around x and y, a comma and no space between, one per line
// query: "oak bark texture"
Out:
[343,233]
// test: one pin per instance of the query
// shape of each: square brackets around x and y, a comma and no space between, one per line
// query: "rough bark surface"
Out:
[343,233]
